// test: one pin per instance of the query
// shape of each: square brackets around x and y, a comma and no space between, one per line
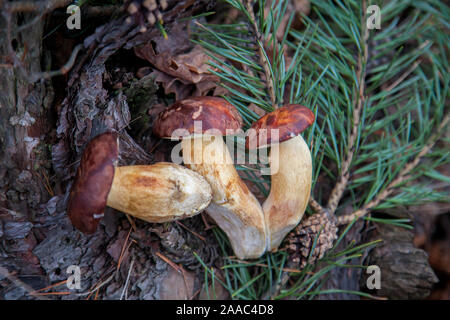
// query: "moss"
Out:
[141,95]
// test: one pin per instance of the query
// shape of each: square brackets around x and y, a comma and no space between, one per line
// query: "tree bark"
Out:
[38,158]
[25,158]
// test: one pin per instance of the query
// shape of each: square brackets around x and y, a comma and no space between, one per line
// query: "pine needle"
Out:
[191,231]
[378,100]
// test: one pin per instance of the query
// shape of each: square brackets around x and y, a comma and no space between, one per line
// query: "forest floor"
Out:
[127,78]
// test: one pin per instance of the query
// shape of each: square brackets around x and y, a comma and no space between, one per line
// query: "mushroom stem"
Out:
[290,189]
[234,208]
[158,193]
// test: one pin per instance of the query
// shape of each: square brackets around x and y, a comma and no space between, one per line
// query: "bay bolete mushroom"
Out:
[234,208]
[155,193]
[291,183]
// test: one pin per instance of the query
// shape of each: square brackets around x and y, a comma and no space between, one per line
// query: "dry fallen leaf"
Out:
[181,68]
[177,285]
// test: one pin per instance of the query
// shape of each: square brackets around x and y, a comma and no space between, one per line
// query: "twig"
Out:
[125,248]
[127,281]
[35,6]
[96,295]
[341,185]
[183,273]
[47,185]
[168,261]
[408,72]
[404,75]
[178,268]
[262,55]
[43,6]
[205,222]
[49,287]
[43,12]
[191,231]
[4,272]
[53,293]
[196,293]
[131,221]
[317,207]
[97,287]
[62,71]
[403,176]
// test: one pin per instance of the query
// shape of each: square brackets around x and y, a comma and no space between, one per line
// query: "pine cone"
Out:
[301,240]
[145,11]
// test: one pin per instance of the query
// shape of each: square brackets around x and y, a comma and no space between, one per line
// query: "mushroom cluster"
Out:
[234,208]
[208,180]
[251,229]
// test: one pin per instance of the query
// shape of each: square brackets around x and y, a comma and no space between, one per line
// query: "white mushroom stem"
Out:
[290,188]
[234,208]
[159,193]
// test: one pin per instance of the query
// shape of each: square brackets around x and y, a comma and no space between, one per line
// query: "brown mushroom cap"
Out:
[290,120]
[213,112]
[93,180]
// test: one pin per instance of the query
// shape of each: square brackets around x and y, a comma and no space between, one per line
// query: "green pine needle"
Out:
[406,91]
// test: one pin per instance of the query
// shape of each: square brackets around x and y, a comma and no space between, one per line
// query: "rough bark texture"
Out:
[405,270]
[38,243]
[24,150]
